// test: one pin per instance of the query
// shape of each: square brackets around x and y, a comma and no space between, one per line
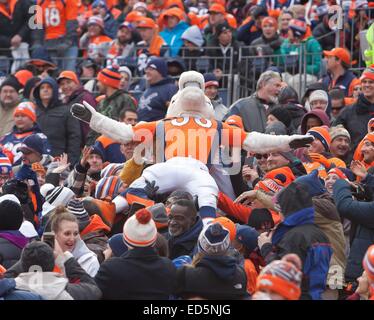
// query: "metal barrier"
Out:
[349,36]
[298,68]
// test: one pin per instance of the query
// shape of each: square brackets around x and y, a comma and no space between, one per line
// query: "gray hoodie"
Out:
[194,35]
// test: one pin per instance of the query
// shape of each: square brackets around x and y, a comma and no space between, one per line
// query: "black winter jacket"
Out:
[355,119]
[139,273]
[57,123]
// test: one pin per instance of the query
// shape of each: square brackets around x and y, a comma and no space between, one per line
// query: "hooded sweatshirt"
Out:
[51,285]
[173,37]
[57,123]
[153,103]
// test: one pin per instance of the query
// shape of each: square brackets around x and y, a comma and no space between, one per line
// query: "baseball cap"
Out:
[341,53]
[32,143]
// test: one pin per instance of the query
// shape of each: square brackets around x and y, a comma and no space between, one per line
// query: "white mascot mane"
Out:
[190,99]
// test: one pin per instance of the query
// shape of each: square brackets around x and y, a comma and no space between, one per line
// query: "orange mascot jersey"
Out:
[189,136]
[55,15]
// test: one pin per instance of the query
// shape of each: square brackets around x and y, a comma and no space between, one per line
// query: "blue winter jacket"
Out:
[153,103]
[173,37]
[298,234]
[362,218]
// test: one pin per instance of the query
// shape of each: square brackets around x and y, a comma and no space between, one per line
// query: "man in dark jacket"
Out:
[56,121]
[251,29]
[356,117]
[298,234]
[140,273]
[338,73]
[154,102]
[115,100]
[227,48]
[184,228]
[216,274]
[74,92]
[253,109]
[362,228]
[14,26]
[322,31]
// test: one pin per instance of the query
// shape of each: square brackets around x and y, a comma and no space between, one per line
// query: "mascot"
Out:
[186,143]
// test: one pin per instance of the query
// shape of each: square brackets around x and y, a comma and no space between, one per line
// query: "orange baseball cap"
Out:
[217,8]
[22,76]
[134,16]
[71,75]
[146,23]
[341,53]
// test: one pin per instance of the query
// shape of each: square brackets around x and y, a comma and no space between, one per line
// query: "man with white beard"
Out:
[253,109]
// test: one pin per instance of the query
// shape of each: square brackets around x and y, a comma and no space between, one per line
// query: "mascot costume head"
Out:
[190,99]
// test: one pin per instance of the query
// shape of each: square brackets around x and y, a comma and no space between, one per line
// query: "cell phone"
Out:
[49,238]
[249,161]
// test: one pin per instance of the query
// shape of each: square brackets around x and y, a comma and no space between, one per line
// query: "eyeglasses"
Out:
[259,156]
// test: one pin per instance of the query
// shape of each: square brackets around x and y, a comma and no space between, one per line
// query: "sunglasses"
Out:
[259,156]
[339,108]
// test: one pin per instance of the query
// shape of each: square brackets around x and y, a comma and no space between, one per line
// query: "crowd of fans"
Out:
[288,225]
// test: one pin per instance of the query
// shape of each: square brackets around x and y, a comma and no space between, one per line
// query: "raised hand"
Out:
[246,197]
[63,164]
[358,169]
[85,155]
[83,111]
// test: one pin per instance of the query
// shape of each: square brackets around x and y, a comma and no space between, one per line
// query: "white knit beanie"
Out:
[140,230]
[318,95]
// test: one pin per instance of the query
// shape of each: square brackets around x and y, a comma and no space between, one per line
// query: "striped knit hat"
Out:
[5,165]
[112,169]
[110,77]
[282,277]
[214,239]
[75,206]
[322,134]
[27,109]
[140,230]
[108,187]
[59,196]
[368,262]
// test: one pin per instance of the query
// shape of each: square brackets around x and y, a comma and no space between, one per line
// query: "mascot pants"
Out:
[180,173]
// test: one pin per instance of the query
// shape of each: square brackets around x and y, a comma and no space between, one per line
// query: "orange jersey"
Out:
[5,12]
[95,44]
[55,15]
[190,136]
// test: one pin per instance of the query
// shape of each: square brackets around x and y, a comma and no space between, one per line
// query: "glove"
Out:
[299,141]
[151,189]
[83,111]
[319,158]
